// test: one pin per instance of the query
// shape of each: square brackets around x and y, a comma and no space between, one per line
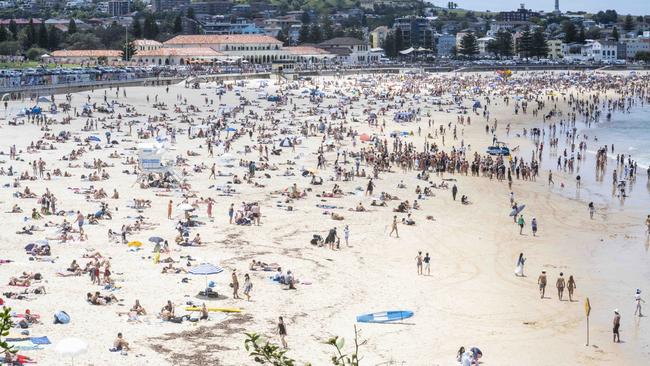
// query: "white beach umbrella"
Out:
[71,347]
[185,207]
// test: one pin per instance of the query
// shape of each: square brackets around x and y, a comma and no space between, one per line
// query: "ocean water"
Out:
[629,132]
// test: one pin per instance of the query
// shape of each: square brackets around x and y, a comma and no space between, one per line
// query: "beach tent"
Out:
[286,142]
[71,347]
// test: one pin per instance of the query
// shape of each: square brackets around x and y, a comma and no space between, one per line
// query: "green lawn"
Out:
[32,64]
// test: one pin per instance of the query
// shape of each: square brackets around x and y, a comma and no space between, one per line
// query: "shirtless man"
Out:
[541,281]
[418,262]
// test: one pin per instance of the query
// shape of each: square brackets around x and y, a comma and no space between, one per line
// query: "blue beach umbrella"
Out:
[205,270]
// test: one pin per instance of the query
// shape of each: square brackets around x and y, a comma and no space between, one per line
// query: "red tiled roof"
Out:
[188,52]
[20,21]
[87,53]
[221,39]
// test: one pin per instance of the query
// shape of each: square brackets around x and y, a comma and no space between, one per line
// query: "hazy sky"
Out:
[636,7]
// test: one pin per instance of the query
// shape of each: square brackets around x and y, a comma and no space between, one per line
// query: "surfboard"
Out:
[385,316]
[222,310]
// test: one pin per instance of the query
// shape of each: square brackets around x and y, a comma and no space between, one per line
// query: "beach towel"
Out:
[40,340]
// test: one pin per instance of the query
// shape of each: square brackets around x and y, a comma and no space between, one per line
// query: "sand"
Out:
[471,298]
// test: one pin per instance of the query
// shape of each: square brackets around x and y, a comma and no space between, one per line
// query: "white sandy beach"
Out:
[471,298]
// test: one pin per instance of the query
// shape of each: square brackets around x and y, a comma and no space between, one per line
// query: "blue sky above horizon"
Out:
[635,7]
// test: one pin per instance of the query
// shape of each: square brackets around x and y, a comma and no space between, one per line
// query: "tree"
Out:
[304,18]
[283,36]
[315,35]
[642,56]
[399,39]
[72,26]
[504,43]
[150,28]
[4,35]
[42,36]
[35,53]
[628,25]
[539,46]
[582,37]
[30,33]
[13,28]
[178,25]
[327,28]
[389,45]
[615,34]
[492,47]
[468,45]
[593,33]
[136,28]
[9,48]
[128,51]
[525,44]
[190,13]
[264,352]
[5,326]
[83,41]
[303,35]
[53,38]
[570,32]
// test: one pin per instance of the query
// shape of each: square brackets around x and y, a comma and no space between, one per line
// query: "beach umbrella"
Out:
[364,137]
[136,244]
[205,270]
[156,239]
[71,347]
[185,207]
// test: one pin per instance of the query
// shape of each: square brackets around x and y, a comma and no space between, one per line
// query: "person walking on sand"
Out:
[231,212]
[394,228]
[427,264]
[521,223]
[592,209]
[235,284]
[533,226]
[418,262]
[282,331]
[346,235]
[454,192]
[370,187]
[210,203]
[169,209]
[570,286]
[519,269]
[560,284]
[638,300]
[550,178]
[248,286]
[616,325]
[541,281]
